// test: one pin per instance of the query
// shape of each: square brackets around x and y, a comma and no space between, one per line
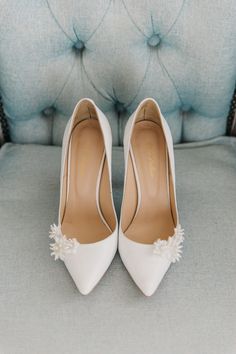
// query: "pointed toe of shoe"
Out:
[146,268]
[90,262]
[148,289]
[86,286]
[87,277]
[148,279]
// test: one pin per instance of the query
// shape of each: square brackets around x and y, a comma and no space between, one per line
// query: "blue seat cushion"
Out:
[193,311]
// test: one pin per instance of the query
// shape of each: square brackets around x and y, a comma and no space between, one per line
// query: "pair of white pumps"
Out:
[149,237]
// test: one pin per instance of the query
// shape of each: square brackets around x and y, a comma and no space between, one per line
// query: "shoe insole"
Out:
[148,172]
[86,167]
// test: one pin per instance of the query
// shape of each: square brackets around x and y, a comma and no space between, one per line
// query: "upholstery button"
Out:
[79,46]
[154,40]
[186,108]
[48,112]
[120,107]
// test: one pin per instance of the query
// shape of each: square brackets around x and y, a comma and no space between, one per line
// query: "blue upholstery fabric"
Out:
[117,52]
[193,310]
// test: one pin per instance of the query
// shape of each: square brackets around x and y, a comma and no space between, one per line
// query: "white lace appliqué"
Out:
[62,245]
[172,247]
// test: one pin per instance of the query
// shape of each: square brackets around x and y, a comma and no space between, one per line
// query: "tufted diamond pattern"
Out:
[117,52]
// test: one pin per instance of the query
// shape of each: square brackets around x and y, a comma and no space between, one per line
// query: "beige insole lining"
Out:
[86,182]
[147,209]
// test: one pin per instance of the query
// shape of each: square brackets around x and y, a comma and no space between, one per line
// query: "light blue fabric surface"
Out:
[193,310]
[117,52]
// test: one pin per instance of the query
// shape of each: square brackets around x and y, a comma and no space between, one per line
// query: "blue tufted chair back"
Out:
[117,52]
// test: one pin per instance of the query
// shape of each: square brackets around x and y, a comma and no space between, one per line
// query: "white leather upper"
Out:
[90,261]
[145,267]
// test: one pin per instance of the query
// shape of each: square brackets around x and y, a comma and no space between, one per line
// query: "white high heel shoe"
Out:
[150,235]
[86,235]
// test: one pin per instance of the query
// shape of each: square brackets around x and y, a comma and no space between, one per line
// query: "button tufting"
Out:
[120,107]
[186,107]
[79,46]
[49,111]
[154,40]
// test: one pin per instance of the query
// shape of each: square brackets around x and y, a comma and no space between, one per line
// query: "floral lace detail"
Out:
[172,247]
[62,245]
